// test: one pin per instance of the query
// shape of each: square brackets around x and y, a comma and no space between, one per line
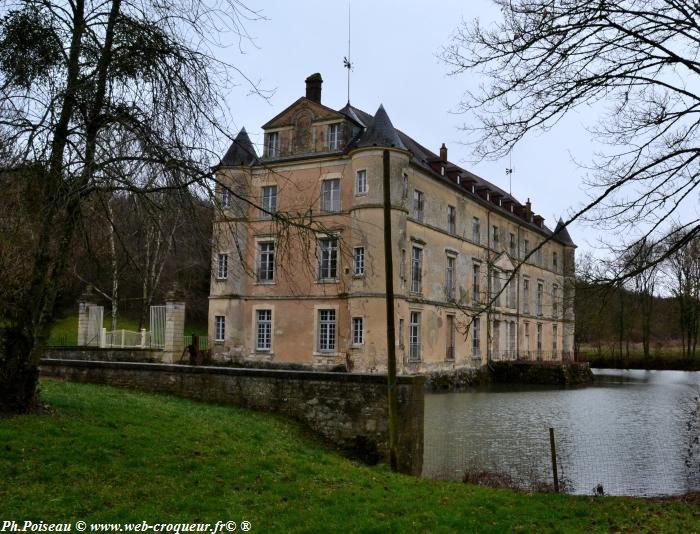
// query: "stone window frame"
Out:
[266,212]
[359,261]
[332,237]
[273,144]
[259,241]
[354,321]
[416,281]
[222,274]
[334,135]
[361,179]
[225,197]
[415,338]
[316,332]
[254,331]
[219,327]
[418,205]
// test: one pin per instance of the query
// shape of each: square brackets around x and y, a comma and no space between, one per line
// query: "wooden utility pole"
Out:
[553,450]
[390,327]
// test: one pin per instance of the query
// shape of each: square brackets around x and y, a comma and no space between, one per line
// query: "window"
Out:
[526,338]
[510,292]
[555,300]
[401,333]
[511,245]
[450,278]
[494,238]
[273,144]
[361,182]
[496,287]
[358,333]
[418,204]
[450,341]
[330,195]
[539,337]
[555,261]
[268,201]
[538,256]
[540,297]
[451,219]
[554,339]
[414,337]
[416,269]
[476,230]
[476,339]
[219,328]
[266,261]
[404,182]
[511,338]
[225,198]
[526,247]
[326,330]
[359,261]
[526,295]
[263,330]
[476,278]
[334,136]
[328,265]
[222,266]
[402,264]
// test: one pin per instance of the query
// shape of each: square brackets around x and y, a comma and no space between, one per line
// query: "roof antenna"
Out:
[509,173]
[346,60]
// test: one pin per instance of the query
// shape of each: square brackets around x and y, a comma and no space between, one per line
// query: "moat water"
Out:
[630,433]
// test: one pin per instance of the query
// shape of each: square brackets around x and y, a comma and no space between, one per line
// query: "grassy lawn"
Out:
[114,455]
[65,330]
[667,357]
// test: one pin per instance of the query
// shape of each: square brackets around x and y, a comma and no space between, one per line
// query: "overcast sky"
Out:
[395,47]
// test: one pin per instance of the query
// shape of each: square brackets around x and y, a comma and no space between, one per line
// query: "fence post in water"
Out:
[553,448]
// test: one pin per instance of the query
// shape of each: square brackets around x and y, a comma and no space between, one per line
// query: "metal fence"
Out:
[532,356]
[203,342]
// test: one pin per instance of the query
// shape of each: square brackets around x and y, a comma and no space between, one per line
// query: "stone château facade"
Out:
[477,274]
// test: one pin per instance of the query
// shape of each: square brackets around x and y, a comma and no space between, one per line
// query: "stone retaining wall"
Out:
[349,410]
[104,355]
[542,373]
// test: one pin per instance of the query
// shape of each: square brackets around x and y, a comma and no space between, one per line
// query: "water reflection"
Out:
[634,432]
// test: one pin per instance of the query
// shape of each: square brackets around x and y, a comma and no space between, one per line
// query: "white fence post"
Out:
[143,338]
[103,337]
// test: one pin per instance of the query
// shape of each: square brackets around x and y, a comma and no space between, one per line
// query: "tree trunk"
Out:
[115,267]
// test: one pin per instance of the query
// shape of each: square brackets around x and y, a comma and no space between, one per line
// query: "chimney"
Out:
[528,210]
[443,152]
[313,87]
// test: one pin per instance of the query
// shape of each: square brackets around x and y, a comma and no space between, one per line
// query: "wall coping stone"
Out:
[366,378]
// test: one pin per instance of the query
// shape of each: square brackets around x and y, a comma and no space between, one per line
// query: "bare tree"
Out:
[74,76]
[545,58]
[684,279]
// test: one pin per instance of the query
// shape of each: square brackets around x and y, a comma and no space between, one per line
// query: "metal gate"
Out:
[157,327]
[94,326]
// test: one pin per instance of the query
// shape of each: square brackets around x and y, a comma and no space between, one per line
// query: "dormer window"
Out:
[442,170]
[334,136]
[273,145]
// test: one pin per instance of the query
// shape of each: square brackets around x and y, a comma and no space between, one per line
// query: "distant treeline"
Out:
[133,249]
[648,295]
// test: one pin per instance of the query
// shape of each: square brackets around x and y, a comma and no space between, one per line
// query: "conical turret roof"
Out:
[241,151]
[381,132]
[562,234]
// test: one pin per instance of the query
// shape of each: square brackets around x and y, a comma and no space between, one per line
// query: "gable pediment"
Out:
[308,109]
[504,263]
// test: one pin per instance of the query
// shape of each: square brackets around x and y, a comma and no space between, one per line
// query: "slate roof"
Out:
[241,151]
[562,234]
[380,132]
[428,161]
